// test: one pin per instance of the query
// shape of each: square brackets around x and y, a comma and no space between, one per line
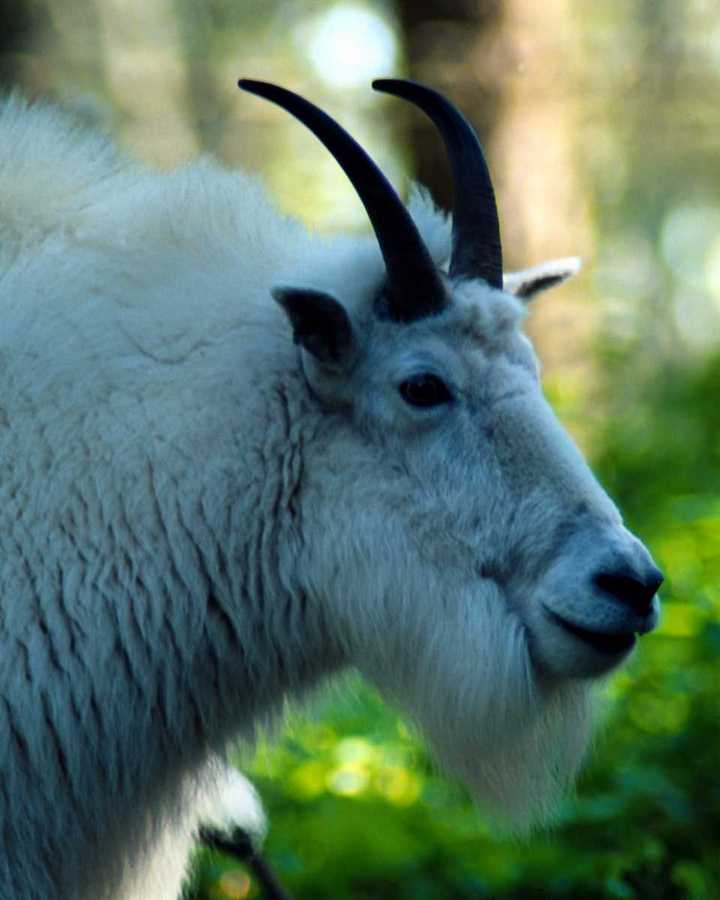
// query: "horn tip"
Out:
[386,84]
[253,86]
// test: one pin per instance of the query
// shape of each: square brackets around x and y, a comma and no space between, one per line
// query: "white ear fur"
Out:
[528,282]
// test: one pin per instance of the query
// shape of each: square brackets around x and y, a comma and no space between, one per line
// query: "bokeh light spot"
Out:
[400,786]
[348,780]
[687,233]
[350,44]
[234,885]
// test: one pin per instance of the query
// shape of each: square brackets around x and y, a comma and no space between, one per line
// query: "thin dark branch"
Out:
[240,845]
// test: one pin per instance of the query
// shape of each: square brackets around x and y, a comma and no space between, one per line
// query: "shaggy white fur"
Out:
[198,519]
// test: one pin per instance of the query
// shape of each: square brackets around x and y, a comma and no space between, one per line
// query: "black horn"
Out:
[414,287]
[477,252]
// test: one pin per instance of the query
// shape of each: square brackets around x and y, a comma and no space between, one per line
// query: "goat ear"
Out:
[529,282]
[320,324]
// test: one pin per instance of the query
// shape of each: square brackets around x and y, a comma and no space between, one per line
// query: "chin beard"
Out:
[464,674]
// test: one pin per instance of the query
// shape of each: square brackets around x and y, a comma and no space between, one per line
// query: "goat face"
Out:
[477,474]
[476,570]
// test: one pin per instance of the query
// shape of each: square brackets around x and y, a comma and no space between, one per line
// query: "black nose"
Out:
[632,587]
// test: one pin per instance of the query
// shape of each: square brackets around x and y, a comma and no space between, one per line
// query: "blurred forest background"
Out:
[602,125]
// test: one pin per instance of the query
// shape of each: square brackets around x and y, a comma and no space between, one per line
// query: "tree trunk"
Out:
[448,47]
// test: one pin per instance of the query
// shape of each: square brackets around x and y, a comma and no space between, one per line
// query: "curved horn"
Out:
[477,252]
[414,286]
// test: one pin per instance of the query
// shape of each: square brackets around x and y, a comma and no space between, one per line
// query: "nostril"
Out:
[654,579]
[634,590]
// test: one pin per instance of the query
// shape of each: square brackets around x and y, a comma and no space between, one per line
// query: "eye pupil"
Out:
[425,390]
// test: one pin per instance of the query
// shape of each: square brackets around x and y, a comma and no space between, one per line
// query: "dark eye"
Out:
[425,390]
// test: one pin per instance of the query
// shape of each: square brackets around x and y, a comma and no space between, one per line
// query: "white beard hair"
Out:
[515,741]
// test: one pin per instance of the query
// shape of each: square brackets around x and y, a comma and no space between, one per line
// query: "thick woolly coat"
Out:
[193,527]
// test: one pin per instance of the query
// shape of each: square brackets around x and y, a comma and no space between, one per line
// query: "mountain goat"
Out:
[210,502]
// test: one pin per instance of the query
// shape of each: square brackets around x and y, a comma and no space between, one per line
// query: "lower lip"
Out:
[610,644]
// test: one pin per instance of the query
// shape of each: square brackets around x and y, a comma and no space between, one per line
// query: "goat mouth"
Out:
[614,643]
